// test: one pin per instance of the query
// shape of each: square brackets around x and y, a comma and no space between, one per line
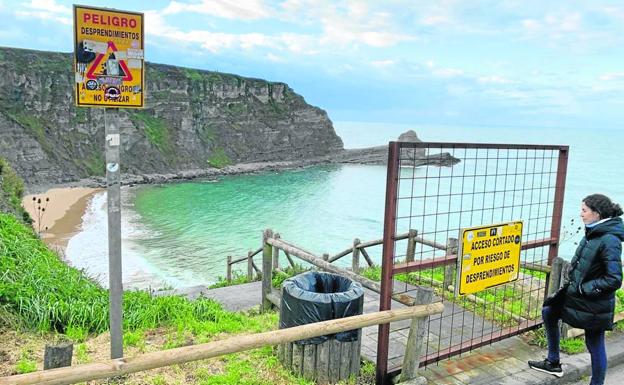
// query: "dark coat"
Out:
[595,275]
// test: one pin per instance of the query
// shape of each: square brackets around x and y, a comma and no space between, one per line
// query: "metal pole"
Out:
[555,229]
[113,190]
[385,296]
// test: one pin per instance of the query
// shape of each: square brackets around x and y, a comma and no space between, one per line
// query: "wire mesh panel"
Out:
[436,189]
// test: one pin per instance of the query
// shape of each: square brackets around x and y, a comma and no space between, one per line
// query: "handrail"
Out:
[241,259]
[405,266]
[325,265]
[235,344]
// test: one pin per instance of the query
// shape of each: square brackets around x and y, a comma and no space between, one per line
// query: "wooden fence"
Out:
[122,366]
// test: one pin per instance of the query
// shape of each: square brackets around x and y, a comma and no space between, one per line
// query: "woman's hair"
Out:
[603,206]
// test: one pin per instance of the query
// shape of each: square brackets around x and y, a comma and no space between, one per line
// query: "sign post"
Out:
[109,72]
[113,192]
[488,256]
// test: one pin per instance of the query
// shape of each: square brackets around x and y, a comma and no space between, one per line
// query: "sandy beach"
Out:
[57,213]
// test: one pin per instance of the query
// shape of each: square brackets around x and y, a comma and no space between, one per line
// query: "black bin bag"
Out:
[314,297]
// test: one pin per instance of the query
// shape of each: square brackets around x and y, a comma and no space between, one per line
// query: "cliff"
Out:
[193,120]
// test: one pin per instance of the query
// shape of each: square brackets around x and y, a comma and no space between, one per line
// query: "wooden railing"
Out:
[359,249]
[122,366]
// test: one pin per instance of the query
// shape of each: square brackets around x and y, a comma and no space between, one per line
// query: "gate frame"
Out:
[389,269]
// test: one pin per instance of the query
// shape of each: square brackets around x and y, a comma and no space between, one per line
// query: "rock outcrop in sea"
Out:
[379,154]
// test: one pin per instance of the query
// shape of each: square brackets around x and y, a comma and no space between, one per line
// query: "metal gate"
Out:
[435,189]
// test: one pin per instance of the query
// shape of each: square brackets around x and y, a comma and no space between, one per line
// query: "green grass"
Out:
[567,345]
[34,124]
[48,295]
[11,192]
[537,274]
[25,365]
[237,279]
[496,298]
[158,379]
[237,108]
[215,78]
[277,279]
[219,158]
[95,164]
[156,131]
[81,115]
[572,345]
[193,75]
[82,354]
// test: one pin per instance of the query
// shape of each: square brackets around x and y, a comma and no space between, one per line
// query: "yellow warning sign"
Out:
[488,256]
[108,57]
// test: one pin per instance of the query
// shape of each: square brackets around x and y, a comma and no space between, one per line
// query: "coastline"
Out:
[371,156]
[63,213]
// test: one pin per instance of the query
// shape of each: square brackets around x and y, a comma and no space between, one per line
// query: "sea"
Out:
[180,234]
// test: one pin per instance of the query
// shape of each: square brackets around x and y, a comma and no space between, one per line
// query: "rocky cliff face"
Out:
[193,120]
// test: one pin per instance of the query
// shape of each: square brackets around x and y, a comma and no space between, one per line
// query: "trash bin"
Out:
[314,297]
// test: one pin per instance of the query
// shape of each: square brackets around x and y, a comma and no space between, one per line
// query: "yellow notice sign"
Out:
[108,57]
[488,256]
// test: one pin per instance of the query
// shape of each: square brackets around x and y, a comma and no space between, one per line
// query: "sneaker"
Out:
[547,367]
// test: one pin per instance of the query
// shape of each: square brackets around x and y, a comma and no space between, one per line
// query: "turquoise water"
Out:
[180,234]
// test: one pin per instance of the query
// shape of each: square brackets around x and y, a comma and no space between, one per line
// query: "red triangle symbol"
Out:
[91,73]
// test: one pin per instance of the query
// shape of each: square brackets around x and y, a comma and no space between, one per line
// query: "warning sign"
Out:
[108,58]
[488,256]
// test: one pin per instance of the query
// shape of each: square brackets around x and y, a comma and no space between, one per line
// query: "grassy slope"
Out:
[46,300]
[11,190]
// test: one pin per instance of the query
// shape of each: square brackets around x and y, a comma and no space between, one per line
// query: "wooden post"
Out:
[228,272]
[411,246]
[250,266]
[563,277]
[267,256]
[57,356]
[276,253]
[416,337]
[325,257]
[290,260]
[450,270]
[367,257]
[355,262]
[554,280]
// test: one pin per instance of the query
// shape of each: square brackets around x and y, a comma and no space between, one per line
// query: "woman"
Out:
[588,300]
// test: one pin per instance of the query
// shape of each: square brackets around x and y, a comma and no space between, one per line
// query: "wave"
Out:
[88,250]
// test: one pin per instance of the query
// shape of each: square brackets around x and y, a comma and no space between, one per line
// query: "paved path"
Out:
[233,298]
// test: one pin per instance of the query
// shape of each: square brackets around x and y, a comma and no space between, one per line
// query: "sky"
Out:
[524,63]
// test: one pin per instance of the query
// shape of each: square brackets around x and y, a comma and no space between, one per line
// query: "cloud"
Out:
[47,10]
[340,26]
[493,79]
[383,63]
[274,58]
[226,9]
[612,76]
